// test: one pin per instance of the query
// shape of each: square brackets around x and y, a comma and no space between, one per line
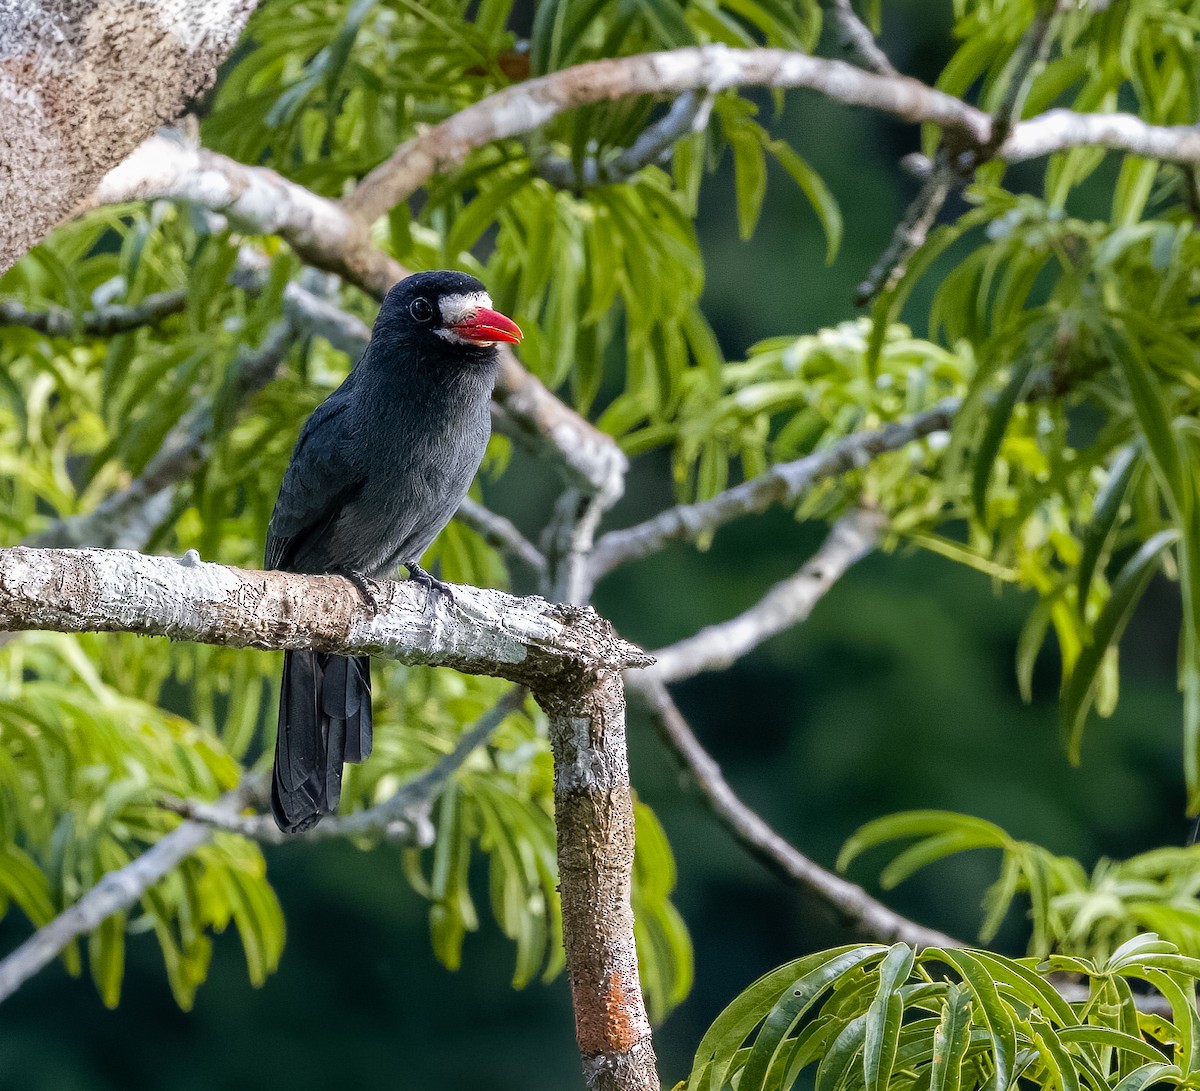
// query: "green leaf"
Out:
[1161,443]
[882,1034]
[996,1014]
[993,435]
[1105,511]
[824,204]
[1127,590]
[950,1042]
[788,1009]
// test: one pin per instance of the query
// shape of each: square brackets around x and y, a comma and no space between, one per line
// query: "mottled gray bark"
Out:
[82,83]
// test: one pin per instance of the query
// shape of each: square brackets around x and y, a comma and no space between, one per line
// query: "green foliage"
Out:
[1067,336]
[1071,911]
[82,770]
[949,1019]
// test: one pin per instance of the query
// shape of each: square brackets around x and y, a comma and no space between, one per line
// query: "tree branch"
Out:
[501,533]
[853,906]
[528,641]
[781,484]
[568,656]
[1061,130]
[858,38]
[100,322]
[688,113]
[593,814]
[402,818]
[913,229]
[711,68]
[787,603]
[117,890]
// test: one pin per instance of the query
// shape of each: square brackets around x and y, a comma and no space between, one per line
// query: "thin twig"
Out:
[501,533]
[912,230]
[569,540]
[784,483]
[854,906]
[858,39]
[688,113]
[112,318]
[787,603]
[1029,59]
[116,891]
[402,818]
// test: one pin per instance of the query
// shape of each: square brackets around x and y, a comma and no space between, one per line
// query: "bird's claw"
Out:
[431,583]
[366,588]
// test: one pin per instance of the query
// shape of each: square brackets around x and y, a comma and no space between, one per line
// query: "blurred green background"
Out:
[898,693]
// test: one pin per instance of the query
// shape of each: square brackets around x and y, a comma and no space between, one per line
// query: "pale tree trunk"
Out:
[82,83]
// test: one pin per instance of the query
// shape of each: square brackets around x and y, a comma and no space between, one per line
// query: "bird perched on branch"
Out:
[379,468]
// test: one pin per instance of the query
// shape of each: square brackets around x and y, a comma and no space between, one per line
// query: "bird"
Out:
[377,471]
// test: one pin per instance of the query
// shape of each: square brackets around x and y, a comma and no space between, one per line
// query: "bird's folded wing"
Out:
[326,472]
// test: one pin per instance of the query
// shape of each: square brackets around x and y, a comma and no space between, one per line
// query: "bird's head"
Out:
[445,313]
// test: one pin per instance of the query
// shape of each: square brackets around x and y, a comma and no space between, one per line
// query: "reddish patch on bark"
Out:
[612,1026]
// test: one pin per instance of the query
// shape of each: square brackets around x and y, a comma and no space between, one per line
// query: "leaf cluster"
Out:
[873,1017]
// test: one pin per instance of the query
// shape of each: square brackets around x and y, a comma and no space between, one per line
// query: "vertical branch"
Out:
[593,814]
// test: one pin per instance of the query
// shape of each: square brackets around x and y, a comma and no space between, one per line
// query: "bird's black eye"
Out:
[420,310]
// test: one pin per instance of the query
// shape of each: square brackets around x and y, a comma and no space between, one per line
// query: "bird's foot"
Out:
[431,583]
[366,587]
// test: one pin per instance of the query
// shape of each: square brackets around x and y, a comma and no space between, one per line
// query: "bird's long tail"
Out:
[324,720]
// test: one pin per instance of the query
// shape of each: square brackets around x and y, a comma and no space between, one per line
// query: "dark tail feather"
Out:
[324,720]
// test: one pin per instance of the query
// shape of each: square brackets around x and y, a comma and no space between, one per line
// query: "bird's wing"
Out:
[326,472]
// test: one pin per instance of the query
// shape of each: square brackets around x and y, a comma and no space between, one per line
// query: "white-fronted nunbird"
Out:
[379,468]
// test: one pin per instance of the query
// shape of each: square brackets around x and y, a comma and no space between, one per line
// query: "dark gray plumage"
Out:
[379,468]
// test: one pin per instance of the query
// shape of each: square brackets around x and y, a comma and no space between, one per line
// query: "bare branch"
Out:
[688,113]
[100,322]
[116,891]
[786,604]
[569,540]
[1061,130]
[501,534]
[568,656]
[403,818]
[913,228]
[528,641]
[858,38]
[853,906]
[711,68]
[784,483]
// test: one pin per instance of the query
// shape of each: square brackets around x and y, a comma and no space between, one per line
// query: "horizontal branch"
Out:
[523,107]
[528,641]
[787,603]
[784,483]
[116,891]
[853,905]
[1061,130]
[102,321]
